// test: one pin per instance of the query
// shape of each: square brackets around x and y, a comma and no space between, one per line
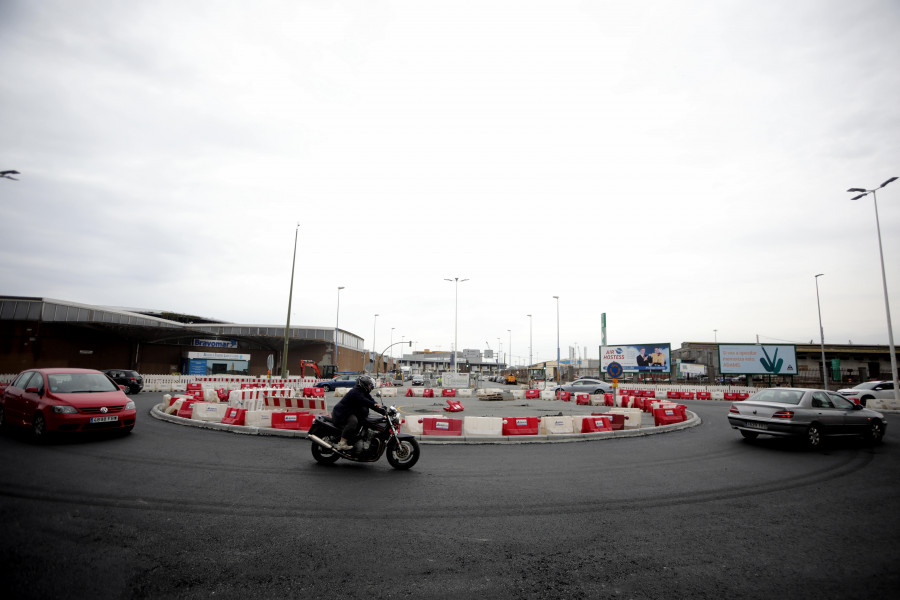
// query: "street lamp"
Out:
[887,306]
[557,339]
[336,324]
[821,333]
[456,281]
[509,348]
[374,326]
[287,323]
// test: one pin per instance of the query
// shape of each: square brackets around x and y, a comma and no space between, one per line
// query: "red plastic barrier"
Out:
[731,396]
[186,410]
[743,396]
[594,424]
[318,392]
[521,425]
[439,426]
[409,393]
[649,394]
[222,393]
[454,406]
[609,399]
[639,403]
[564,396]
[295,421]
[624,392]
[531,394]
[618,421]
[448,393]
[194,386]
[234,416]
[704,395]
[583,399]
[687,395]
[673,394]
[197,395]
[668,414]
[428,393]
[307,392]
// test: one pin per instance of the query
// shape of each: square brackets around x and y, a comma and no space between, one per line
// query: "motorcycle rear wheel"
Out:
[403,454]
[322,454]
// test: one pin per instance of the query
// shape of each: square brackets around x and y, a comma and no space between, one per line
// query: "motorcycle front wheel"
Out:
[403,454]
[324,455]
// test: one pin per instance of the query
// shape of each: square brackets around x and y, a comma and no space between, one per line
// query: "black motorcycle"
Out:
[375,436]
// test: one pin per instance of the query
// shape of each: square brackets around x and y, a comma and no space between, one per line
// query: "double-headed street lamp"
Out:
[287,322]
[887,306]
[821,334]
[456,281]
[374,326]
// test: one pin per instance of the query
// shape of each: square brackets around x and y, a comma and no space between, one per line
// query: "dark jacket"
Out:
[355,402]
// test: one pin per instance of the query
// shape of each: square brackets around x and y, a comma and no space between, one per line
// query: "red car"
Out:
[65,400]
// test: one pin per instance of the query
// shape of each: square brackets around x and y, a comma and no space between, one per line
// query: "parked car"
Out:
[132,380]
[586,386]
[868,391]
[66,400]
[807,413]
[418,380]
[346,380]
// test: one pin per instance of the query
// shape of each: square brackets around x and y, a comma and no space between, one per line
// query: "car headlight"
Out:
[64,409]
[130,405]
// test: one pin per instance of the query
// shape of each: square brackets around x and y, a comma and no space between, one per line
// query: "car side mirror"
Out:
[857,406]
[31,390]
[122,387]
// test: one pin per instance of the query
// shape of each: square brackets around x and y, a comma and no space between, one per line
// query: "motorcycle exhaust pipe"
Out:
[320,441]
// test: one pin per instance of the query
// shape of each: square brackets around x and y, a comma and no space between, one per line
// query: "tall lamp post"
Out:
[374,354]
[558,380]
[530,361]
[337,322]
[509,348]
[455,281]
[887,306]
[287,323]
[821,334]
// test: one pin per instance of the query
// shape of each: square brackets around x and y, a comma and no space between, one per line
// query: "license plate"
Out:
[104,419]
[753,425]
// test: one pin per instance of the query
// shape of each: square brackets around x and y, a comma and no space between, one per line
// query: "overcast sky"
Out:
[680,166]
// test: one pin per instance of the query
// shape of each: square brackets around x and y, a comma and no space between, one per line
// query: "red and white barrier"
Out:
[441,426]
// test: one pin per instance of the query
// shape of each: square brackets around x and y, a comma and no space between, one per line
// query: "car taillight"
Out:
[783,414]
[734,409]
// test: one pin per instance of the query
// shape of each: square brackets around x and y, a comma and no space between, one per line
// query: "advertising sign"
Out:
[756,359]
[640,358]
[215,343]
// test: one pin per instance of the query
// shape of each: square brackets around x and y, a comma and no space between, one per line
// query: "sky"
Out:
[678,166]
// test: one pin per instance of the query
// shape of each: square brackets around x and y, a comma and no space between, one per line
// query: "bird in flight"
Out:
[9,174]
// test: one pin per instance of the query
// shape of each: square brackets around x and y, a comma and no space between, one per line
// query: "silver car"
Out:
[586,386]
[869,391]
[807,413]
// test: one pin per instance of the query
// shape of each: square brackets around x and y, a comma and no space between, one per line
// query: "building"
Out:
[43,332]
[845,363]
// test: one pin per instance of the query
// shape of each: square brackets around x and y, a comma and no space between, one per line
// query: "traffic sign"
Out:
[614,370]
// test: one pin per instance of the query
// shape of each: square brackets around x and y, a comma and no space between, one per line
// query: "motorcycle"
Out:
[375,436]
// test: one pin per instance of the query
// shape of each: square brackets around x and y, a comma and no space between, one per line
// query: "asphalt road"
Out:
[177,512]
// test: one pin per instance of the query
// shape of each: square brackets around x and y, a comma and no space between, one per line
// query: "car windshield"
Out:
[866,386]
[780,396]
[80,383]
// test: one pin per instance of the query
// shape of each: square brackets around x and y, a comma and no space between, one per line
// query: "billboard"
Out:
[756,359]
[639,358]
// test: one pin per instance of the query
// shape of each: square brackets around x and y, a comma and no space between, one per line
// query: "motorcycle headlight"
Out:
[64,409]
[130,405]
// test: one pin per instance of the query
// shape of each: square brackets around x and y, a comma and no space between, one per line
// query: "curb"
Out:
[693,421]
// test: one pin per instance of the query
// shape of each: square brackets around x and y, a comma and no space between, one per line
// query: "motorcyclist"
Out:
[354,409]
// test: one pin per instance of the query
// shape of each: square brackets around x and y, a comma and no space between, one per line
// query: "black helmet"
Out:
[366,383]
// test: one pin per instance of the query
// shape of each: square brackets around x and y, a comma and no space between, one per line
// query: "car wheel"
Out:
[875,432]
[2,417]
[749,435]
[600,391]
[328,388]
[814,436]
[39,427]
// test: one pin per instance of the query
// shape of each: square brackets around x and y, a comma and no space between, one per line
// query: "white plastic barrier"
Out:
[210,395]
[341,392]
[389,392]
[464,392]
[489,391]
[209,411]
[597,400]
[482,426]
[557,425]
[259,418]
[415,424]
[548,395]
[632,416]
[518,394]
